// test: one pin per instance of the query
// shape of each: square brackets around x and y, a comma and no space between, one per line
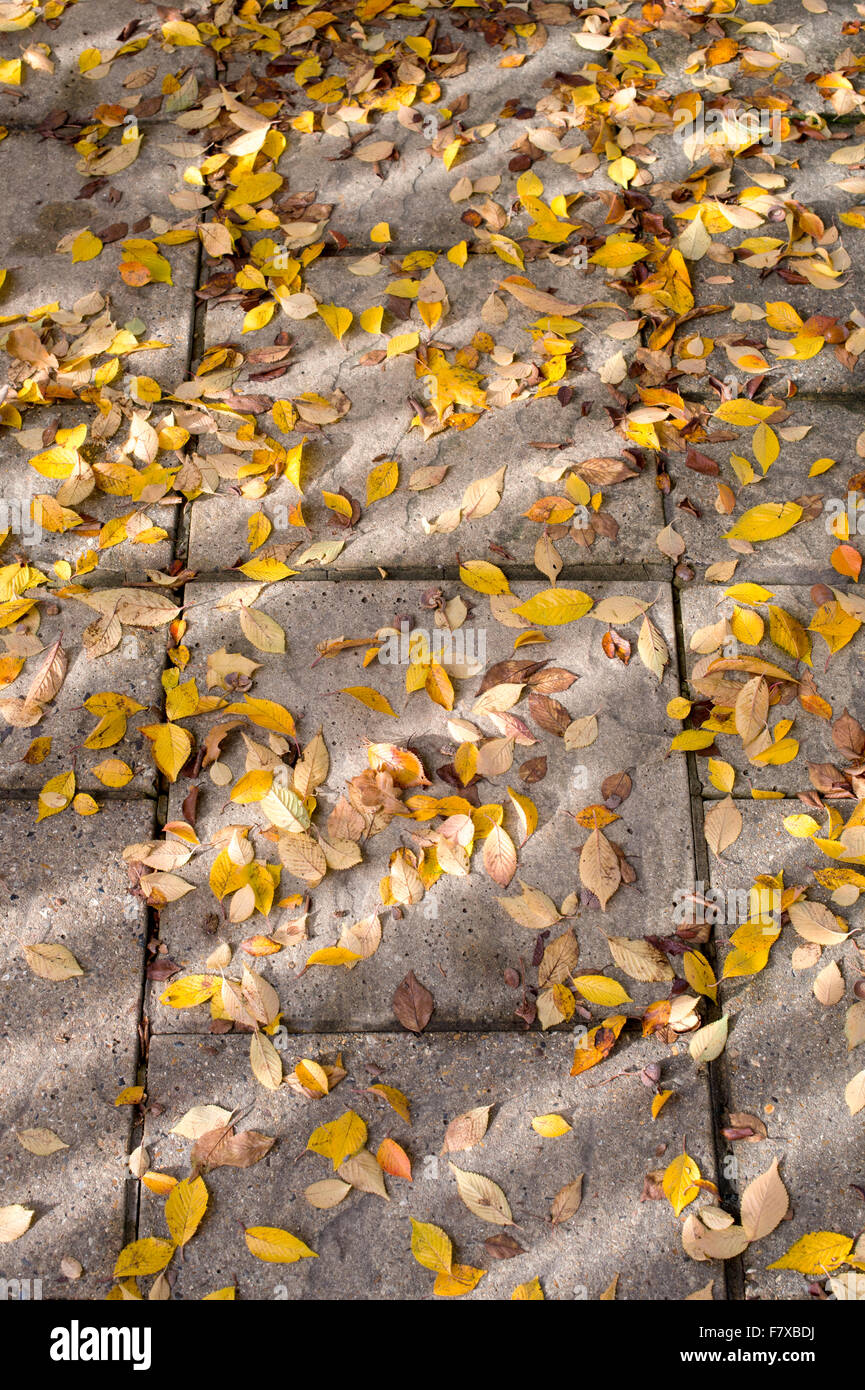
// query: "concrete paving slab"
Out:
[360,197]
[787,1062]
[730,284]
[384,398]
[45,210]
[390,532]
[133,669]
[458,940]
[68,1048]
[87,27]
[318,361]
[803,553]
[20,509]
[364,1244]
[838,682]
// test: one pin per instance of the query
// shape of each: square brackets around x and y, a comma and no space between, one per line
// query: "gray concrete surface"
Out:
[786,1060]
[458,940]
[835,677]
[363,1245]
[68,1048]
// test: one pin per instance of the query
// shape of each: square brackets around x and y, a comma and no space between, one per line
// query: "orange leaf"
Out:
[394,1159]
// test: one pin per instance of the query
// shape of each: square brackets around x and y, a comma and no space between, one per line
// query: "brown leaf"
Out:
[567,1202]
[466,1130]
[599,868]
[602,472]
[746,1127]
[413,1004]
[847,734]
[222,1148]
[615,789]
[533,770]
[549,714]
[502,1246]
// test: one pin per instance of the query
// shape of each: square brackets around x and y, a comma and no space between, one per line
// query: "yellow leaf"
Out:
[450,153]
[484,578]
[680,1182]
[172,746]
[284,416]
[186,1205]
[722,775]
[765,446]
[781,315]
[259,317]
[381,480]
[618,252]
[460,1279]
[659,1101]
[765,522]
[699,974]
[252,786]
[678,707]
[370,319]
[258,528]
[267,714]
[820,466]
[338,320]
[253,189]
[180,33]
[189,991]
[380,233]
[550,1126]
[748,593]
[85,247]
[332,955]
[275,1246]
[130,1095]
[818,1253]
[601,989]
[369,697]
[146,1256]
[689,740]
[339,1139]
[743,412]
[56,795]
[530,1291]
[431,1247]
[395,1099]
[622,170]
[402,342]
[552,607]
[747,627]
[802,827]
